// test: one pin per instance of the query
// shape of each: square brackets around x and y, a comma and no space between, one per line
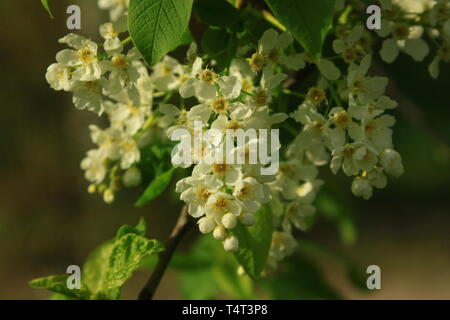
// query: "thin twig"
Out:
[183,224]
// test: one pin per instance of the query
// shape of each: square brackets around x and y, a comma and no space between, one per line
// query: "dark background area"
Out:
[48,220]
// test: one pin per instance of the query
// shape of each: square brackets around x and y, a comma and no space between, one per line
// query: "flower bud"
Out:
[108,196]
[206,224]
[231,243]
[247,219]
[132,177]
[229,221]
[92,188]
[391,161]
[219,233]
[362,188]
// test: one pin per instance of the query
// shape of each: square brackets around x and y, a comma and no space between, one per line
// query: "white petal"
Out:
[417,48]
[328,69]
[389,51]
[268,41]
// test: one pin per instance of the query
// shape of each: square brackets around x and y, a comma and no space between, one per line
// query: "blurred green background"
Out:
[48,221]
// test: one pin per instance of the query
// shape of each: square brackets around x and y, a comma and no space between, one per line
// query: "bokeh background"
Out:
[48,221]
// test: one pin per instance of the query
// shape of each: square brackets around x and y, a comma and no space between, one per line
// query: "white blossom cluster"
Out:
[406,23]
[342,121]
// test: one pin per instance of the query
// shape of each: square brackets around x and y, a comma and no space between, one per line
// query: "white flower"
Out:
[168,74]
[127,115]
[129,152]
[347,47]
[201,82]
[195,193]
[94,165]
[88,95]
[219,173]
[221,203]
[123,72]
[250,192]
[58,76]
[375,130]
[364,88]
[117,8]
[83,58]
[270,52]
[404,37]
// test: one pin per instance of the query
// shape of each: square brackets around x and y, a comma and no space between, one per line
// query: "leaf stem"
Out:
[182,226]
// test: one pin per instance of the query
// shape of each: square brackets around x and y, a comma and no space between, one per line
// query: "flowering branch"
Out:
[182,226]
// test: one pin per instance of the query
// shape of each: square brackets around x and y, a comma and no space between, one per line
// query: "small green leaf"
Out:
[47,7]
[156,187]
[218,13]
[254,242]
[220,46]
[139,229]
[307,20]
[58,284]
[126,256]
[156,26]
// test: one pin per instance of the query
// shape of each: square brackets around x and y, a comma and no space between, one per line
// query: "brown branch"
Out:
[182,226]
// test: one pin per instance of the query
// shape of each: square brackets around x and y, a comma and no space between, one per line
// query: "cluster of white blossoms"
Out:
[341,120]
[406,23]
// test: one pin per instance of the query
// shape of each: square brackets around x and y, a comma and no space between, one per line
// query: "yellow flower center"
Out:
[219,104]
[316,95]
[86,54]
[261,98]
[256,61]
[119,61]
[208,76]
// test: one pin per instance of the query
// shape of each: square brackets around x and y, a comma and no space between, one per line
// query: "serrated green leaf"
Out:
[156,187]
[219,13]
[95,269]
[47,7]
[58,284]
[126,256]
[254,242]
[156,26]
[307,20]
[139,229]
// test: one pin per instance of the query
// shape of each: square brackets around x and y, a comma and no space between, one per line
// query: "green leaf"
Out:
[156,26]
[95,269]
[59,296]
[58,284]
[156,187]
[47,7]
[126,256]
[220,46]
[107,267]
[337,208]
[299,279]
[254,242]
[218,13]
[139,229]
[307,20]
